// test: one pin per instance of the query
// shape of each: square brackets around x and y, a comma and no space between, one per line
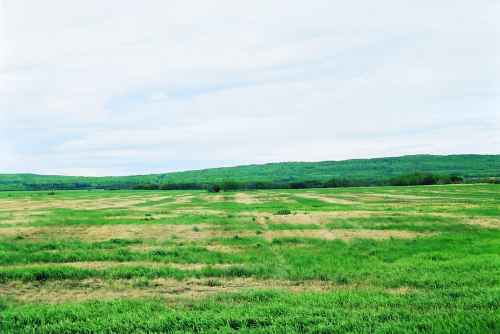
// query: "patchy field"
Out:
[349,260]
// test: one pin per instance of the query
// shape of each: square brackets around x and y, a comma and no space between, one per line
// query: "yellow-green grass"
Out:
[349,260]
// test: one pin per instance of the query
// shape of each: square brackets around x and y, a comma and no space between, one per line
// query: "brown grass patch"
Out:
[146,232]
[343,234]
[25,232]
[223,249]
[183,199]
[246,198]
[308,218]
[21,217]
[49,202]
[92,289]
[142,232]
[326,198]
[102,265]
[171,290]
[23,204]
[486,222]
[157,232]
[213,198]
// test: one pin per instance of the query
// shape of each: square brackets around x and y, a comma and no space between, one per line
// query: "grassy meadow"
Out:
[347,260]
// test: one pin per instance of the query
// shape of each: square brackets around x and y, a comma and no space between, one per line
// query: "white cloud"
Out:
[120,87]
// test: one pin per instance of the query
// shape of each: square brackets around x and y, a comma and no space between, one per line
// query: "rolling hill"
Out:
[374,170]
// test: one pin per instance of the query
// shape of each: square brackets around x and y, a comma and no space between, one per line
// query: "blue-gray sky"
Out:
[92,87]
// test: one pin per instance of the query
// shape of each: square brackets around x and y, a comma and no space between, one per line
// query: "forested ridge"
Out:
[405,170]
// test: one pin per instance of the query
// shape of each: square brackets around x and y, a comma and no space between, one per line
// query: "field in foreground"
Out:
[350,260]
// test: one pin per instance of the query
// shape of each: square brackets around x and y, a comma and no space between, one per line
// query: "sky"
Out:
[119,87]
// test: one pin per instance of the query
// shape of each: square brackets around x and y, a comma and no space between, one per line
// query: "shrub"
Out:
[214,282]
[158,252]
[214,188]
[230,186]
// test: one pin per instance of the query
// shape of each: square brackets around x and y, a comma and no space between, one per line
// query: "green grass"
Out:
[455,311]
[444,280]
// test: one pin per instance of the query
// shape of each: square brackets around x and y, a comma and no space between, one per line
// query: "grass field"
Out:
[347,260]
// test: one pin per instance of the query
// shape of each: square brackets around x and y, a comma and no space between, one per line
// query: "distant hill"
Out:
[368,170]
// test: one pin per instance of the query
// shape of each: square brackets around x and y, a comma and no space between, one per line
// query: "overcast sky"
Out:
[92,87]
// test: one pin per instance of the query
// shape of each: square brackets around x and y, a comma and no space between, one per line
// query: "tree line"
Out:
[412,179]
[402,180]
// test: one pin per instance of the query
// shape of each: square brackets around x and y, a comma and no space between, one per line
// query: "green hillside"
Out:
[367,170]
